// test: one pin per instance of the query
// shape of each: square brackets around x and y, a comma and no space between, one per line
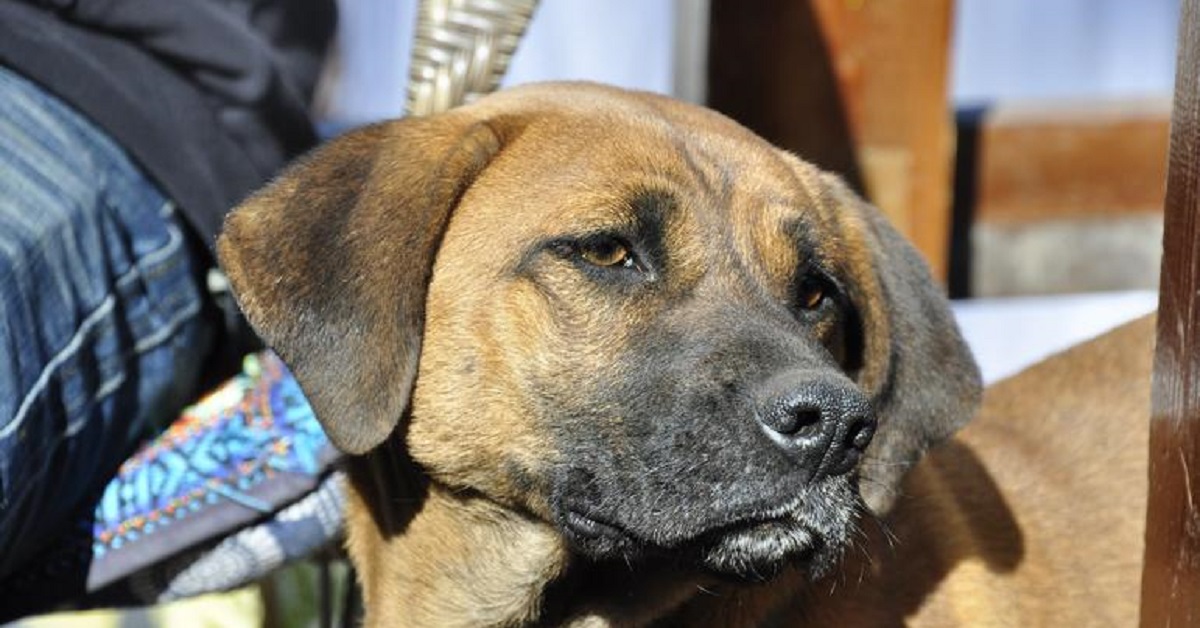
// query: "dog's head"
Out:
[626,316]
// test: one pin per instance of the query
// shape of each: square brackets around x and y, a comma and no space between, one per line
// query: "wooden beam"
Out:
[859,87]
[892,60]
[1037,162]
[1171,576]
[770,69]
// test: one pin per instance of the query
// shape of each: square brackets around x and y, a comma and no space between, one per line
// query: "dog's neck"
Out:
[436,557]
[429,557]
[454,563]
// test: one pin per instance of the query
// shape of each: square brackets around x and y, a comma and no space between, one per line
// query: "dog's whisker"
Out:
[885,463]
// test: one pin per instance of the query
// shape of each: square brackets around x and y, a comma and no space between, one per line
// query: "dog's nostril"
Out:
[794,419]
[801,423]
[860,435]
[850,447]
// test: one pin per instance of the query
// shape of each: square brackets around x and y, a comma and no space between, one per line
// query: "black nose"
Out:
[822,420]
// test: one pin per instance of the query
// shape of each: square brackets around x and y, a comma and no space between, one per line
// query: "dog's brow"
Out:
[633,212]
[652,207]
[793,204]
[798,230]
[639,211]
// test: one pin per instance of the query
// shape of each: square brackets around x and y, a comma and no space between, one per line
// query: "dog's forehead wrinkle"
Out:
[710,170]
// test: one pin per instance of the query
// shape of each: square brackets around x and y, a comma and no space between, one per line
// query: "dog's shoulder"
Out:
[1045,491]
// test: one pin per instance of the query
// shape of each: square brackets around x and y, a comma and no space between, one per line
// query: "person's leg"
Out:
[101,333]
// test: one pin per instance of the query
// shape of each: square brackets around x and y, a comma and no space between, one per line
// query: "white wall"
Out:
[1063,49]
[623,42]
[374,38]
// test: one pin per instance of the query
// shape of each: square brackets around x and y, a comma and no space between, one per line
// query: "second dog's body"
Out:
[1033,515]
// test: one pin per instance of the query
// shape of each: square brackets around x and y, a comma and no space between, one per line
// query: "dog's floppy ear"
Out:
[331,260]
[918,371]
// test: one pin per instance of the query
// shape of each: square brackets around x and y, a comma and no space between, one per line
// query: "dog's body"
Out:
[600,358]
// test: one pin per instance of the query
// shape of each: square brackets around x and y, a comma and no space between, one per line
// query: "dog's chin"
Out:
[810,534]
[760,552]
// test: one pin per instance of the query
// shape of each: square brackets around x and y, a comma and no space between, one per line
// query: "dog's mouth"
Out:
[810,533]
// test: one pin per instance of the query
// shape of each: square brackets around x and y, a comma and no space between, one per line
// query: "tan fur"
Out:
[412,237]
[460,562]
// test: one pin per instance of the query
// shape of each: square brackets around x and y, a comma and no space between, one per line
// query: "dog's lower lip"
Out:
[598,538]
[589,527]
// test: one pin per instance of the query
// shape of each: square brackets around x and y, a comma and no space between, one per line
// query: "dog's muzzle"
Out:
[786,496]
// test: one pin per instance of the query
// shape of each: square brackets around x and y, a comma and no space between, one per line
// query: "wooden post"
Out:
[859,87]
[1171,576]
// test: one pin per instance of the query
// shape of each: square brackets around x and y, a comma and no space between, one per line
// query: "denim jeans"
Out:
[101,332]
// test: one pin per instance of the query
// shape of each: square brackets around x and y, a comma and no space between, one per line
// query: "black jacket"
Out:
[210,97]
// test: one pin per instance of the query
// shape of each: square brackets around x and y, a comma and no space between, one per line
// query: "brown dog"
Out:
[600,358]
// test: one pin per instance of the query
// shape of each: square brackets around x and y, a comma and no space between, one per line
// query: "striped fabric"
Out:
[101,330]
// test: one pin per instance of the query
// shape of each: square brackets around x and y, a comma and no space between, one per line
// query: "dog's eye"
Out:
[812,292]
[606,252]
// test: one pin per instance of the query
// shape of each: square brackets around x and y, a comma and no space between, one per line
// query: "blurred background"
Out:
[1015,50]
